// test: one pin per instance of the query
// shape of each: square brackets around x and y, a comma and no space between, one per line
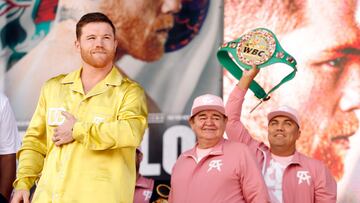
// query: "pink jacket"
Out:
[228,174]
[305,180]
[143,190]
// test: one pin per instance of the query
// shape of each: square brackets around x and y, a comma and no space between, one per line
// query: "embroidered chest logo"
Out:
[215,164]
[54,116]
[147,194]
[303,176]
[98,119]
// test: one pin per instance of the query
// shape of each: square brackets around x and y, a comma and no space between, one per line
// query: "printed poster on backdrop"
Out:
[37,43]
[324,39]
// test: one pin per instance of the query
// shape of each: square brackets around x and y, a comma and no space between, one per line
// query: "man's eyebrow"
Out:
[289,120]
[346,49]
[216,115]
[350,50]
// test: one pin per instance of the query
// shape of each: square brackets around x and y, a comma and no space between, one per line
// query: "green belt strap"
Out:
[228,51]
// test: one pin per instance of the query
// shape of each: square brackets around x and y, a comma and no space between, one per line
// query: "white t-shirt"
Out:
[9,136]
[274,175]
[201,153]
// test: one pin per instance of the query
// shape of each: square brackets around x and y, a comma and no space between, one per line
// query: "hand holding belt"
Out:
[260,47]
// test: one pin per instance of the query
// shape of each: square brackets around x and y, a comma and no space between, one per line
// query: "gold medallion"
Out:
[256,47]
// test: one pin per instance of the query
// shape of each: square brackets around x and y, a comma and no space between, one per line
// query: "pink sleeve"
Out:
[325,186]
[172,183]
[170,199]
[235,129]
[251,179]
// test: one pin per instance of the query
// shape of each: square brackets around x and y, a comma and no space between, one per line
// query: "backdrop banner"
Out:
[37,38]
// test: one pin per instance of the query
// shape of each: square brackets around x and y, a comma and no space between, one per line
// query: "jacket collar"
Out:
[296,158]
[216,150]
[113,78]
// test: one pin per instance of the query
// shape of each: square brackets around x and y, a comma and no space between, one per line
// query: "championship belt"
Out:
[257,47]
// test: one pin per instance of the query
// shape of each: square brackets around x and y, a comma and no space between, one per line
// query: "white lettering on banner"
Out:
[170,140]
[303,176]
[215,164]
[169,151]
[148,169]
[54,117]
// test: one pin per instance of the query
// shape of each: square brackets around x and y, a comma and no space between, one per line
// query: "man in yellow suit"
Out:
[86,127]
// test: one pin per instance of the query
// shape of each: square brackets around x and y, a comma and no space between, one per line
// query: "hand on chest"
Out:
[85,110]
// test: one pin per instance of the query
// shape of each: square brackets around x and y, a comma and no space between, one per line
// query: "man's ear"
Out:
[116,44]
[77,45]
[225,119]
[191,122]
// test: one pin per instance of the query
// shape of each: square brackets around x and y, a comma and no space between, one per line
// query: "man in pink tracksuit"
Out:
[215,170]
[290,176]
[144,186]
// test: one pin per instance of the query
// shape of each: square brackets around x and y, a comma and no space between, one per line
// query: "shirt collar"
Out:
[296,158]
[113,78]
[217,149]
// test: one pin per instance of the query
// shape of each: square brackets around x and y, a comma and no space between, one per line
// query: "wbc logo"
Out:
[253,51]
[256,47]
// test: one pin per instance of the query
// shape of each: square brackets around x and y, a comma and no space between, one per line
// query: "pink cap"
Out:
[285,111]
[207,102]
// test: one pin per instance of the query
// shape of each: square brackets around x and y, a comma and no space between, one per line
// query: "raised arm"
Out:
[235,129]
[253,185]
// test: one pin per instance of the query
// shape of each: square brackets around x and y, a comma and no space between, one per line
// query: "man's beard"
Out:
[98,62]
